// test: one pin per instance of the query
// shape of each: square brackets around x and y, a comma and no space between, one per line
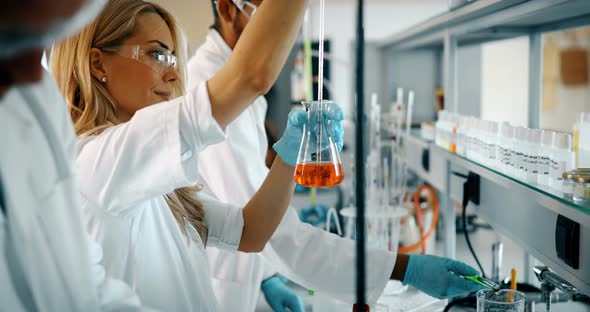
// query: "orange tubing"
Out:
[420,220]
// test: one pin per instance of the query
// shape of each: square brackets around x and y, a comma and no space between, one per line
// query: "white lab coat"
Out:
[233,170]
[125,173]
[48,262]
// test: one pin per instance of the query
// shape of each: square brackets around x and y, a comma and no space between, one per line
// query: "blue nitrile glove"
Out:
[288,146]
[430,274]
[301,188]
[314,215]
[280,297]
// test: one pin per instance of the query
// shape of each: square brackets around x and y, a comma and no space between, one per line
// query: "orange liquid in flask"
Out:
[319,174]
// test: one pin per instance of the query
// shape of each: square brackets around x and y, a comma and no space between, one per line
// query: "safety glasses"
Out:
[158,59]
[248,8]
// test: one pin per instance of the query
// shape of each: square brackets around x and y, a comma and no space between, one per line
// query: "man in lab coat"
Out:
[47,261]
[234,170]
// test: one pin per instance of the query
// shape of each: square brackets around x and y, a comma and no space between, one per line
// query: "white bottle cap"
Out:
[501,126]
[547,138]
[507,130]
[493,127]
[522,134]
[535,136]
[483,126]
[462,123]
[562,140]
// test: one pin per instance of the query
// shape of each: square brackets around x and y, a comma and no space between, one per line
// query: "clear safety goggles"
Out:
[248,8]
[19,40]
[158,59]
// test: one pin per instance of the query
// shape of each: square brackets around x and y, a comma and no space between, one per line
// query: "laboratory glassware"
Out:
[568,183]
[581,139]
[501,146]
[462,135]
[382,226]
[489,300]
[513,146]
[506,143]
[491,141]
[534,149]
[521,152]
[562,158]
[581,187]
[318,161]
[545,157]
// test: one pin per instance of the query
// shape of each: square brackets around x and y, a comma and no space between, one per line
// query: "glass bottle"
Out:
[318,161]
[545,157]
[562,159]
[534,148]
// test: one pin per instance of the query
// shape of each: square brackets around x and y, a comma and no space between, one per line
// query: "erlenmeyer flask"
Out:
[318,162]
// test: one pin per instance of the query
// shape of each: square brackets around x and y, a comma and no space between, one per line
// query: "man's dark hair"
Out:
[215,15]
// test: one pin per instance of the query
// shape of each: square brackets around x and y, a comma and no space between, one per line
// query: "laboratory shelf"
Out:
[527,213]
[488,20]
[543,193]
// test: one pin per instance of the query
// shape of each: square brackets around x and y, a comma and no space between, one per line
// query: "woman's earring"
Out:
[104,79]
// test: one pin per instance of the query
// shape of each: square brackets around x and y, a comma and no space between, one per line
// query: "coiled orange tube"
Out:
[420,220]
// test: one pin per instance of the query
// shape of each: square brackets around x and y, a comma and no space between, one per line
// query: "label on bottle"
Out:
[533,164]
[492,151]
[500,155]
[557,169]
[507,155]
[513,158]
[522,160]
[544,165]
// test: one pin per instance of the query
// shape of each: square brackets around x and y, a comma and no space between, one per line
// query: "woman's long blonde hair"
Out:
[90,105]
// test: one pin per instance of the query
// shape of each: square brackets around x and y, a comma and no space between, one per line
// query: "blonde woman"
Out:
[137,157]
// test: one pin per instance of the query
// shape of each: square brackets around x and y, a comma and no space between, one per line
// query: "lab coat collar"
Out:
[215,41]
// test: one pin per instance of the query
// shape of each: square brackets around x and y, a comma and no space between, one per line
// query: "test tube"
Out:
[545,157]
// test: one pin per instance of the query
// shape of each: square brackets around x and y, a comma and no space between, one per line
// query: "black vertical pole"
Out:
[360,162]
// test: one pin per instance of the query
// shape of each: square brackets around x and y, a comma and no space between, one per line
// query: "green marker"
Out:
[485,282]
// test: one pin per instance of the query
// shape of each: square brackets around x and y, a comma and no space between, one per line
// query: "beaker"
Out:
[505,300]
[318,161]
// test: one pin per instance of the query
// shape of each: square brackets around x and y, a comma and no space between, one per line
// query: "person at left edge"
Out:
[47,260]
